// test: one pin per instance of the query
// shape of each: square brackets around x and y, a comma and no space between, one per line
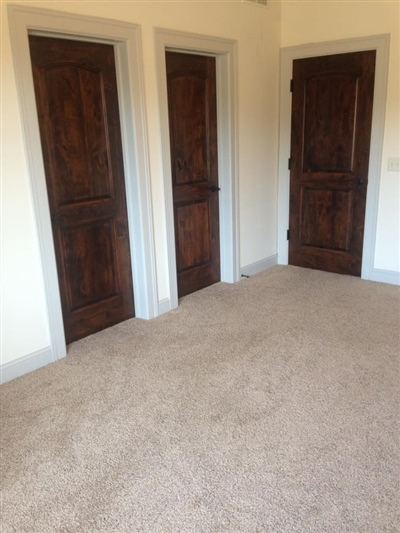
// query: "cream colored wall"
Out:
[306,22]
[23,307]
[257,31]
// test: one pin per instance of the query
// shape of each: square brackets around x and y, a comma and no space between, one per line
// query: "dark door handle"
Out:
[214,188]
[359,181]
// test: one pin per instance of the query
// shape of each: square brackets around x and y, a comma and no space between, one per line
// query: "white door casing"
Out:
[380,43]
[226,65]
[127,44]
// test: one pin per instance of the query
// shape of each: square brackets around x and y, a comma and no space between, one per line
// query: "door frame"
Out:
[225,53]
[126,40]
[381,44]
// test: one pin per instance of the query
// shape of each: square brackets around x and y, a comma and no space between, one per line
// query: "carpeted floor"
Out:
[271,405]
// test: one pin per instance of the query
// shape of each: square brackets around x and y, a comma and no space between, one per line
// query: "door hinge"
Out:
[289,163]
[288,234]
[291,86]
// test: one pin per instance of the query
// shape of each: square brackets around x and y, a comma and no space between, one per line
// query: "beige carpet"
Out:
[271,405]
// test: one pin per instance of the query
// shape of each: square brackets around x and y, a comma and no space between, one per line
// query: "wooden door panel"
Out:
[90,263]
[77,102]
[189,150]
[191,81]
[331,129]
[327,218]
[78,142]
[192,226]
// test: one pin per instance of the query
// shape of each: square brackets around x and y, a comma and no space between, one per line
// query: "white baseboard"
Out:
[23,365]
[250,270]
[259,266]
[164,306]
[385,276]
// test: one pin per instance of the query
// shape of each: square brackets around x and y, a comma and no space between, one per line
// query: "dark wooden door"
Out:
[330,141]
[192,110]
[77,104]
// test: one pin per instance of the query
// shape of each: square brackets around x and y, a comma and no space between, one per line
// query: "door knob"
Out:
[214,188]
[359,181]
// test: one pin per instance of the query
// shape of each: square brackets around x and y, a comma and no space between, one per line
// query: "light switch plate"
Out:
[394,164]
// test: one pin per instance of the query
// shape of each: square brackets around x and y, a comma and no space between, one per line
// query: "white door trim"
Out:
[127,43]
[226,65]
[380,43]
